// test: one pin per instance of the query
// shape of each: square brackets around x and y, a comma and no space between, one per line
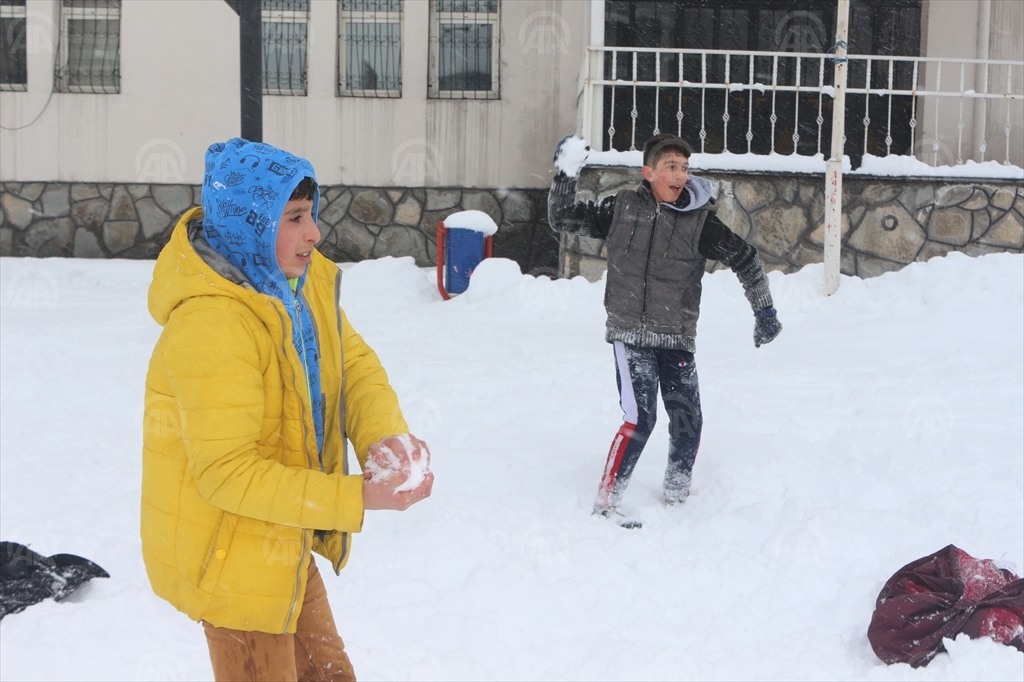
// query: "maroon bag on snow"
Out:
[942,595]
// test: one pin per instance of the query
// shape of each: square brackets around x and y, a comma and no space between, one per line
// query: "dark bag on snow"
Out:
[942,595]
[27,577]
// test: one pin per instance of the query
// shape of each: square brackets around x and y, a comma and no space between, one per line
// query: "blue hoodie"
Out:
[245,188]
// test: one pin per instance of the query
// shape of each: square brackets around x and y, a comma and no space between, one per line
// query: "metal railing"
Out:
[912,106]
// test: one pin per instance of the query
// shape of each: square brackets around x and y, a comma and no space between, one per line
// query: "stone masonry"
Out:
[887,222]
[135,221]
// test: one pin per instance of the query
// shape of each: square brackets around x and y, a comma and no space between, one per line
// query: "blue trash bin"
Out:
[463,241]
[464,250]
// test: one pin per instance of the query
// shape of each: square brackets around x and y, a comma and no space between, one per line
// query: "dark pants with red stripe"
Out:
[639,372]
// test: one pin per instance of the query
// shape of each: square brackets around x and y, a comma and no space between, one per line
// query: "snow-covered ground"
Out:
[883,424]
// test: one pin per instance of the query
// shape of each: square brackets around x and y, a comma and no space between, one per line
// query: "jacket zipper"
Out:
[309,462]
[341,413]
[647,267]
[305,367]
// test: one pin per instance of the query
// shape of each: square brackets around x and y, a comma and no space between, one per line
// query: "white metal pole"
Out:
[834,166]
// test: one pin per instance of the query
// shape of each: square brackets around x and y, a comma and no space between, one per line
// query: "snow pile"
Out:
[908,166]
[478,221]
[883,424]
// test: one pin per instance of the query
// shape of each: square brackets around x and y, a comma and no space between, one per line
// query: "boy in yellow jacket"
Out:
[255,387]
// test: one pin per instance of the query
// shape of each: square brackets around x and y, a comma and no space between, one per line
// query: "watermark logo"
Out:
[544,33]
[162,665]
[30,35]
[161,418]
[801,31]
[546,293]
[161,161]
[414,161]
[37,537]
[685,419]
[929,418]
[426,416]
[31,289]
[794,544]
[934,152]
[666,666]
[428,666]
[284,550]
[543,545]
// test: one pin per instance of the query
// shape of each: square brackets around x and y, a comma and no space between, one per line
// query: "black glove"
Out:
[766,326]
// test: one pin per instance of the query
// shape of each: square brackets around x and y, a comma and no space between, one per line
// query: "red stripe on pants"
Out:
[611,468]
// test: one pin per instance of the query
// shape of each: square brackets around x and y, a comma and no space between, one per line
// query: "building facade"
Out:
[408,109]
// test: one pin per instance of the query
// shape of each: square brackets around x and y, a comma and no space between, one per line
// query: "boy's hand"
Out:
[571,155]
[382,495]
[397,473]
[766,326]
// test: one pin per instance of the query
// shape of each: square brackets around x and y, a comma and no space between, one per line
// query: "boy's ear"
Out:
[648,173]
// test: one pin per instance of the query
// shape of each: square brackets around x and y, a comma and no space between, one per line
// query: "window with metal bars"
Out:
[285,36]
[370,48]
[90,46]
[878,27]
[464,38]
[13,46]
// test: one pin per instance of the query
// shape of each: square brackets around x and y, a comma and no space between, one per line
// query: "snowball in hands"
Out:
[405,456]
[571,155]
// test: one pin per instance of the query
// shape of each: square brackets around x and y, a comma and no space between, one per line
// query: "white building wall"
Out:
[973,29]
[180,82]
[180,92]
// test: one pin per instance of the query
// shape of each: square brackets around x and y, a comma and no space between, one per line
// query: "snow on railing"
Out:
[896,106]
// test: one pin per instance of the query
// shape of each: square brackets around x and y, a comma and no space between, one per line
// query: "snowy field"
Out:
[883,424]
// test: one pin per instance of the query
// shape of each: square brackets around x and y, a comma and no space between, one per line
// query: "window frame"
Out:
[362,16]
[15,12]
[105,14]
[285,16]
[438,19]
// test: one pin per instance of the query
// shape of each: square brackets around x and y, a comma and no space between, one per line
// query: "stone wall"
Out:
[886,224]
[135,221]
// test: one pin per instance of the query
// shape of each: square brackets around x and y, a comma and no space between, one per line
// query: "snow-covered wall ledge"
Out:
[888,222]
[893,166]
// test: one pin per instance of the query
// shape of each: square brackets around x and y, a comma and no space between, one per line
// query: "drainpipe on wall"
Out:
[250,62]
[981,77]
[594,68]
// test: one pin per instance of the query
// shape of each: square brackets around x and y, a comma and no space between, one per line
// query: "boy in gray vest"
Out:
[658,237]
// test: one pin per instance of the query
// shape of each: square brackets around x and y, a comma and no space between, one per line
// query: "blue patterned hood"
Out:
[245,189]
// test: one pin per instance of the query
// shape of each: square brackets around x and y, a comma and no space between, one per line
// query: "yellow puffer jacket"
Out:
[234,492]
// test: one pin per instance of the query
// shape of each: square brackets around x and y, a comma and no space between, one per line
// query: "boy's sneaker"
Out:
[674,497]
[676,487]
[618,518]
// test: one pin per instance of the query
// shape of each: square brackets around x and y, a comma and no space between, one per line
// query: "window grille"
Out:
[783,122]
[464,36]
[285,32]
[90,46]
[13,45]
[370,48]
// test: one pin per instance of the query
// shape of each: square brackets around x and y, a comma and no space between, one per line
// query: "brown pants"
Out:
[314,652]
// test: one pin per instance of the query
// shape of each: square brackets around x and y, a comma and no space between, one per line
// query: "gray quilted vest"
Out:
[652,293]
